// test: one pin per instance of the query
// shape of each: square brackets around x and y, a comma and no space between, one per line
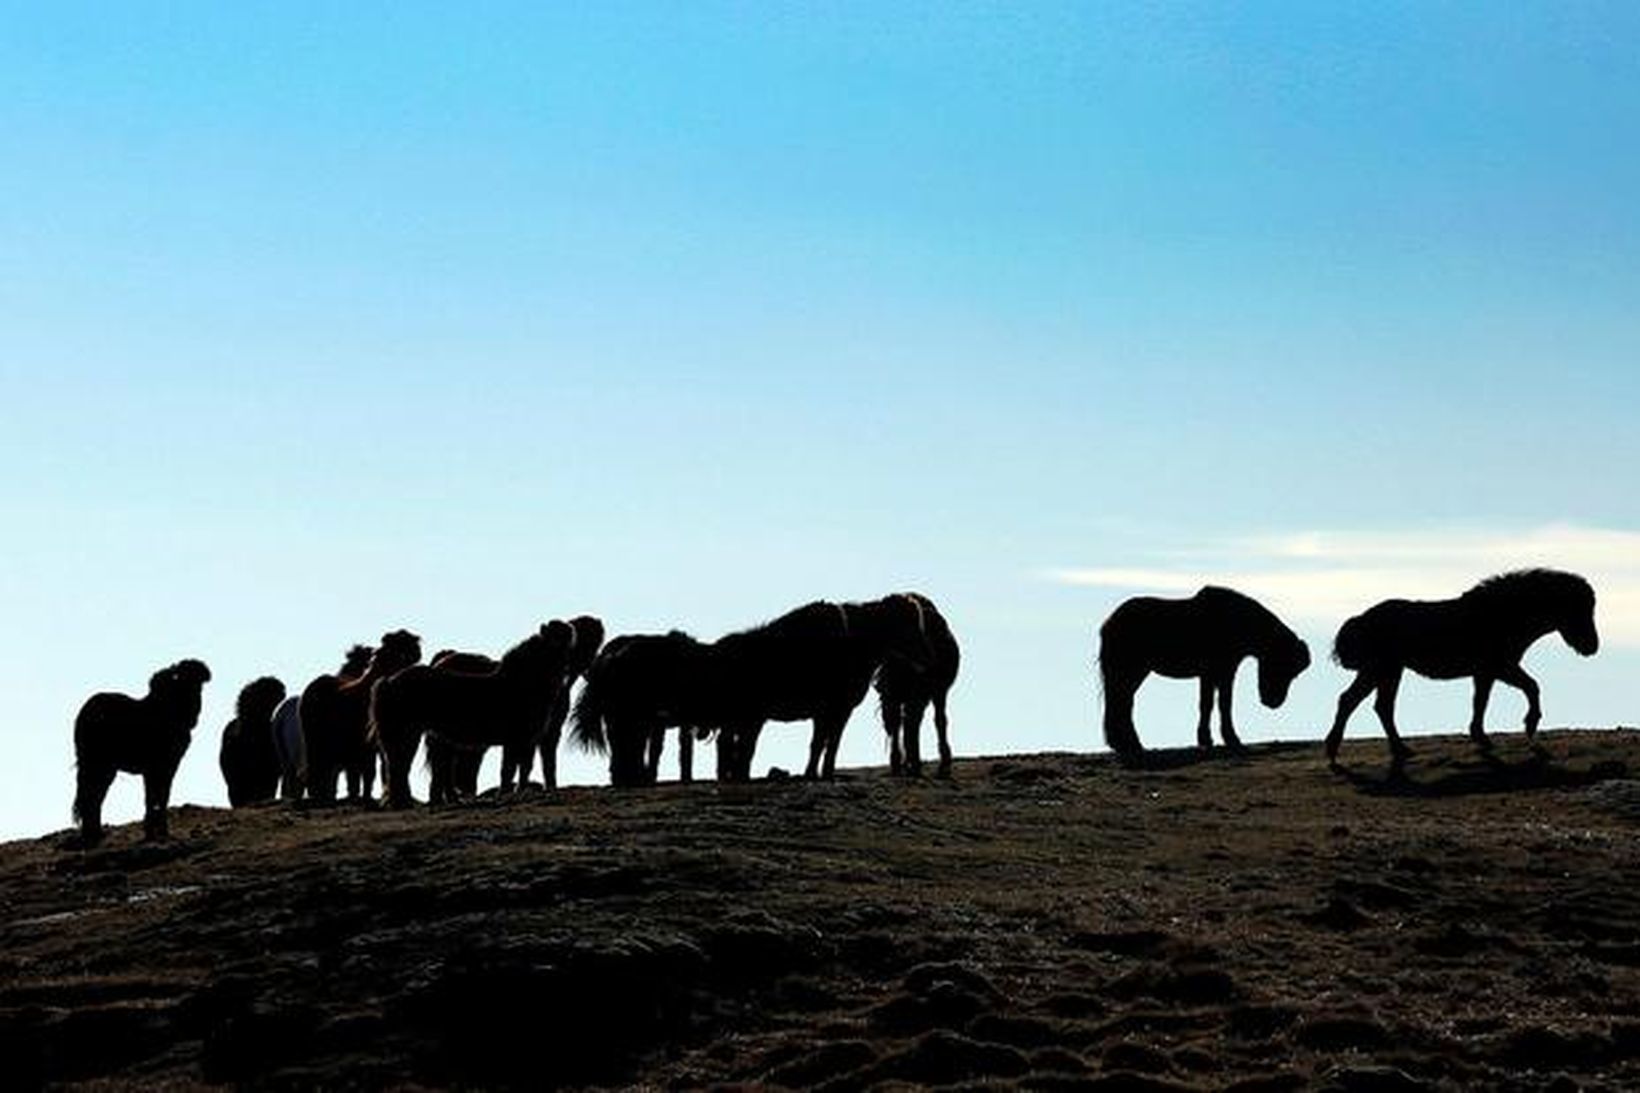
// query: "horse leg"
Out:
[156,793]
[1358,689]
[1204,713]
[657,747]
[746,749]
[911,732]
[1121,736]
[399,752]
[1227,720]
[830,730]
[686,754]
[942,727]
[817,747]
[91,787]
[1384,707]
[893,715]
[1477,718]
[1517,678]
[549,757]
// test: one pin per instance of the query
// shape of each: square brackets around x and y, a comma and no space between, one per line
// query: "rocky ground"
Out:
[1047,921]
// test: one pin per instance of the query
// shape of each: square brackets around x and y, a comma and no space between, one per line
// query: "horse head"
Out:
[1278,667]
[399,649]
[357,661]
[1577,627]
[588,639]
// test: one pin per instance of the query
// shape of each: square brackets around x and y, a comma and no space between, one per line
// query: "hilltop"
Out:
[1051,921]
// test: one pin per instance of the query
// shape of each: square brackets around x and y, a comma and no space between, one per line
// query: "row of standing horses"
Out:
[814,663]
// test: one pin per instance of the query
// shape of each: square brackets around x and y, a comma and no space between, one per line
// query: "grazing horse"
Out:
[1206,636]
[145,736]
[905,690]
[1483,633]
[637,687]
[508,706]
[813,663]
[287,726]
[334,713]
[249,762]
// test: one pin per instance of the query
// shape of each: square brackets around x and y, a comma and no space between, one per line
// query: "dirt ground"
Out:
[1047,921]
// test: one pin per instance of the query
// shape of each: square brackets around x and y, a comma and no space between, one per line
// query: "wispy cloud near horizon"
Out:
[1327,576]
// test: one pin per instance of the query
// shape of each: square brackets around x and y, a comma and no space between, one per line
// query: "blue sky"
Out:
[318,320]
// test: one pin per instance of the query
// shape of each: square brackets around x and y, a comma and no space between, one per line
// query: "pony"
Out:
[146,736]
[905,691]
[1205,636]
[508,706]
[637,687]
[287,726]
[588,640]
[1483,633]
[813,663]
[453,771]
[334,713]
[250,765]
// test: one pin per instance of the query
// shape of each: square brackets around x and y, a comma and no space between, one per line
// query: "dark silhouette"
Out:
[452,771]
[334,714]
[905,690]
[508,706]
[249,761]
[145,736]
[813,663]
[639,686]
[287,726]
[589,638]
[1206,636]
[1483,633]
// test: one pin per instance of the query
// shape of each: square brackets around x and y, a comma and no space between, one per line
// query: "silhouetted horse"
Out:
[905,689]
[508,706]
[1483,633]
[815,662]
[1206,636]
[452,771]
[145,736]
[249,762]
[638,687]
[287,726]
[589,638]
[335,712]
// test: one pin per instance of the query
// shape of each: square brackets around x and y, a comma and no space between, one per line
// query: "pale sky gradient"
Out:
[318,320]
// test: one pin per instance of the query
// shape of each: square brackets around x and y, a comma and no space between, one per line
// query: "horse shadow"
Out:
[1165,759]
[1488,774]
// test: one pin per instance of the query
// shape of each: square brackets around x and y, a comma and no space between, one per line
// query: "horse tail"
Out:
[1121,737]
[1350,647]
[587,729]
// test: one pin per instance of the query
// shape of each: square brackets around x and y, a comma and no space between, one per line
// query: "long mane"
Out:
[1538,584]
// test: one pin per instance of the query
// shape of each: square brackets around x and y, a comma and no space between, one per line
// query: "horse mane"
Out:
[356,661]
[258,698]
[1538,584]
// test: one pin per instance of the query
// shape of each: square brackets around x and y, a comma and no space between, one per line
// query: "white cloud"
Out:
[1325,577]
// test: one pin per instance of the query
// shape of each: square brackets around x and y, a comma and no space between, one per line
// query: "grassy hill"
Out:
[1051,921]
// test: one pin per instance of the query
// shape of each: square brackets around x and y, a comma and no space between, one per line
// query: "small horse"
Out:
[334,713]
[638,686]
[589,638]
[813,663]
[249,762]
[287,726]
[146,736]
[1206,636]
[453,771]
[905,690]
[508,706]
[1483,633]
